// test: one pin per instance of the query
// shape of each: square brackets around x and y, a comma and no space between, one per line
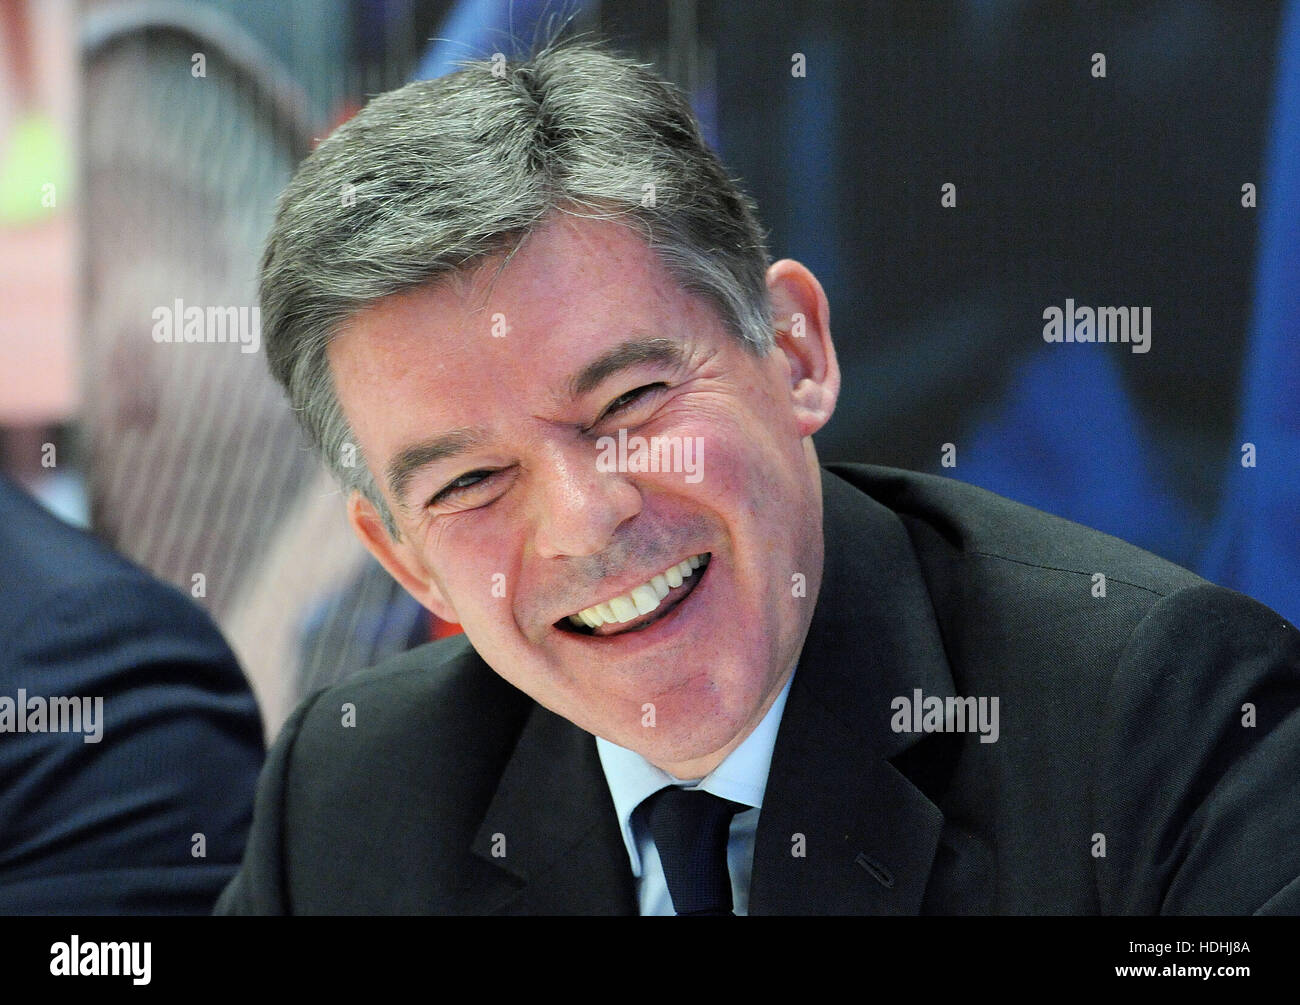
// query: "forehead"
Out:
[567,274]
[480,344]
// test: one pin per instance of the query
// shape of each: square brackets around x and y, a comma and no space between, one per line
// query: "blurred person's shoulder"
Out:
[91,827]
[43,552]
[63,584]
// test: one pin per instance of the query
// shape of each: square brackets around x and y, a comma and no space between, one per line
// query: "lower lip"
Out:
[653,632]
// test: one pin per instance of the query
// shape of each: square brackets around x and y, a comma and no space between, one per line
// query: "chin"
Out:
[689,725]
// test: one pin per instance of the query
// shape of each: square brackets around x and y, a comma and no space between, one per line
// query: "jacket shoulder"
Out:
[1153,708]
[387,779]
[948,518]
[442,685]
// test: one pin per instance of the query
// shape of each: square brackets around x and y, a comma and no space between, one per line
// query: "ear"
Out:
[803,333]
[401,561]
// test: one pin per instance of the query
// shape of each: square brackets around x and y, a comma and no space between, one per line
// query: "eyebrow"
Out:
[632,353]
[404,465]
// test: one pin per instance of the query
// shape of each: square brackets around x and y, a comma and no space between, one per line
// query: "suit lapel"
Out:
[559,849]
[869,832]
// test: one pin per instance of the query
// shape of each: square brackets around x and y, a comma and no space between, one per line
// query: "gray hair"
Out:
[443,174]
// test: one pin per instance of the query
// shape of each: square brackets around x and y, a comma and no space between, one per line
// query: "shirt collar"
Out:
[741,777]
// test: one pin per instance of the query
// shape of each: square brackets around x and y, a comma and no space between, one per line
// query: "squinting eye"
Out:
[623,400]
[462,484]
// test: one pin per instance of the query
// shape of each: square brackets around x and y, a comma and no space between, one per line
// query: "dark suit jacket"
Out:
[1121,732]
[107,827]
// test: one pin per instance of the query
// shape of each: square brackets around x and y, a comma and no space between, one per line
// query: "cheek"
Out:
[471,570]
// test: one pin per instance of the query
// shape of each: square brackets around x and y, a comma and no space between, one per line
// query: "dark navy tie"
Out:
[690,829]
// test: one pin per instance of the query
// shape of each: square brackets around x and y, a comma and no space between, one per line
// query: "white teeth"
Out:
[645,598]
[641,600]
[624,609]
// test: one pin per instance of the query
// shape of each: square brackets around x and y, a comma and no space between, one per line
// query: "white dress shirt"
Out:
[741,777]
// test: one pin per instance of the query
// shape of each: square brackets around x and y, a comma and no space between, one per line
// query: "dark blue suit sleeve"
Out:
[151,818]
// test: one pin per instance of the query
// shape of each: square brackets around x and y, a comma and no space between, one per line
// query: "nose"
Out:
[579,508]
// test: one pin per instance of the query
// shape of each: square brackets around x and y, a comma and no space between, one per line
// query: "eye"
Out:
[463,488]
[626,399]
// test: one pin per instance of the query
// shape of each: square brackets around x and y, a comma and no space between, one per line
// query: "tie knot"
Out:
[690,828]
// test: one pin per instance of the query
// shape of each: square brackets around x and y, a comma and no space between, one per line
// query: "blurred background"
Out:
[142,145]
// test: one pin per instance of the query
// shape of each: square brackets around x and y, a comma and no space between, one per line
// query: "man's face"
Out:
[500,399]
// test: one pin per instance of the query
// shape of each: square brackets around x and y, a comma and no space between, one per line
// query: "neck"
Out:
[696,768]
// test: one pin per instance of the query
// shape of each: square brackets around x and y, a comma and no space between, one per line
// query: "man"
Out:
[532,326]
[130,742]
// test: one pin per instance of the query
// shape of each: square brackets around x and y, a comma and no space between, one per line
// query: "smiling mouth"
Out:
[642,606]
